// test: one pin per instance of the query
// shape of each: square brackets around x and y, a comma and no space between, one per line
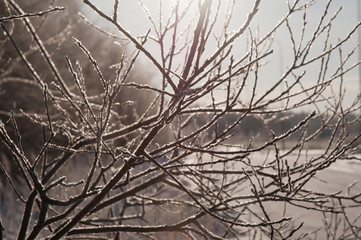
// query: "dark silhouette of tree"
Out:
[102,152]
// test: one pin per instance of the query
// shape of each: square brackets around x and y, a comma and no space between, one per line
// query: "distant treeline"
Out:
[260,128]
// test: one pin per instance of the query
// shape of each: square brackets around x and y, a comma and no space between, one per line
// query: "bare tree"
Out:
[182,169]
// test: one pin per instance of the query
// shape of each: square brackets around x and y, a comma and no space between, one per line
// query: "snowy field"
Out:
[338,177]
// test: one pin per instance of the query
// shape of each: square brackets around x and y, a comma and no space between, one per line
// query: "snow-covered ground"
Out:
[338,177]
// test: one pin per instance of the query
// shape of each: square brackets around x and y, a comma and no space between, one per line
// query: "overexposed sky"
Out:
[134,19]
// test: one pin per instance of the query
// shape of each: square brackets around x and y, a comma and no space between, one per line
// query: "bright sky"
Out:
[133,18]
